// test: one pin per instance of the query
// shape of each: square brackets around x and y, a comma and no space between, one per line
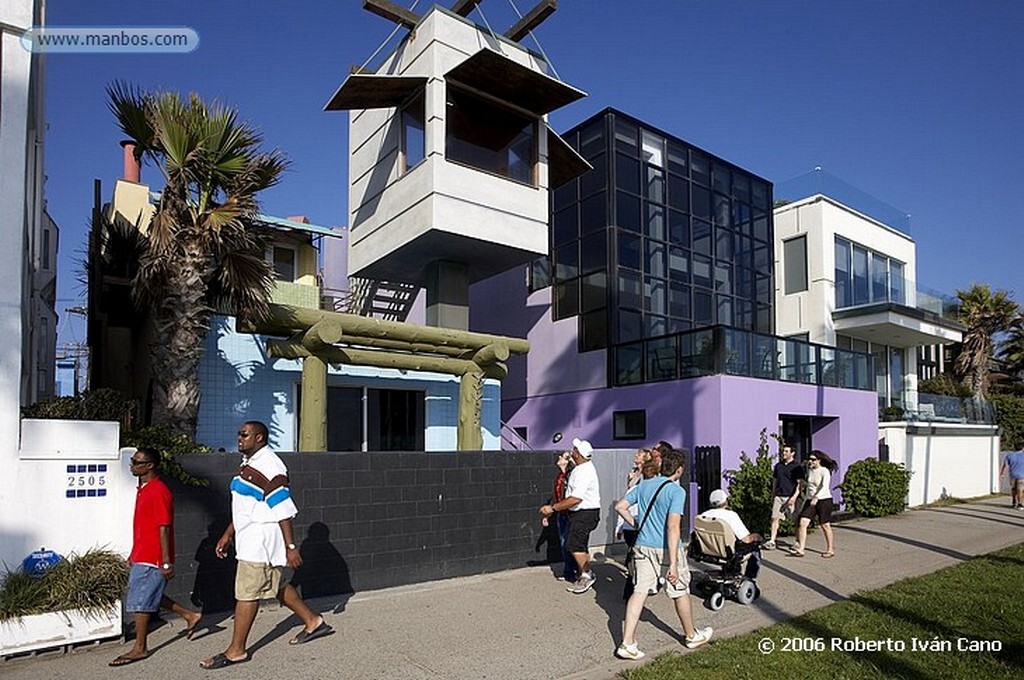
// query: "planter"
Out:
[58,629]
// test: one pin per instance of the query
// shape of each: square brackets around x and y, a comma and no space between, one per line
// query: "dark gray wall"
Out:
[375,520]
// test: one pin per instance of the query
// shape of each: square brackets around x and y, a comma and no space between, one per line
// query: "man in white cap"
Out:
[583,501]
[746,541]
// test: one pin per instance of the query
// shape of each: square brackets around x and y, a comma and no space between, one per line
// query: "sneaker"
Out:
[629,652]
[582,585]
[701,637]
[770,545]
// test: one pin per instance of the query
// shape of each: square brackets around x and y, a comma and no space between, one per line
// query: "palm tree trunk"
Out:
[182,320]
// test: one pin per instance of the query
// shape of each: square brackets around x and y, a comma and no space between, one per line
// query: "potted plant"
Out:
[76,600]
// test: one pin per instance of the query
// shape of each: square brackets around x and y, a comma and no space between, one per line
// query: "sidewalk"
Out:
[522,624]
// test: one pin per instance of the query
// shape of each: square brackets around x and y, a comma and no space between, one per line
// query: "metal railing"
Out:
[718,350]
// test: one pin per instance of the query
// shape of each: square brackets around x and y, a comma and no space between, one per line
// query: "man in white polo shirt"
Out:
[583,501]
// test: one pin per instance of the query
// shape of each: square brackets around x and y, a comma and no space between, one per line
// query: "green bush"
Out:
[1010,418]
[750,487]
[90,582]
[170,444]
[945,384]
[874,488]
[101,404]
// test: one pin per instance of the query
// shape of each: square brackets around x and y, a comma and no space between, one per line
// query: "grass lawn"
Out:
[963,609]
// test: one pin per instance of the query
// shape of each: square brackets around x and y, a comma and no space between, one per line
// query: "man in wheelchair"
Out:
[720,537]
[746,542]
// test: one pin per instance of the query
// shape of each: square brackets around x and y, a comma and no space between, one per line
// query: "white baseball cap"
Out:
[585,448]
[718,497]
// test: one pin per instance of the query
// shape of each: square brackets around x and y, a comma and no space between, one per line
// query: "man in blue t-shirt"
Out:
[1013,465]
[658,554]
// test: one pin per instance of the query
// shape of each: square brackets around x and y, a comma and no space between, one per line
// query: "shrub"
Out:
[170,444]
[874,488]
[90,582]
[1010,418]
[750,487]
[945,384]
[100,404]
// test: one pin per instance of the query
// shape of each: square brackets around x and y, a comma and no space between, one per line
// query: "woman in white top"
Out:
[817,503]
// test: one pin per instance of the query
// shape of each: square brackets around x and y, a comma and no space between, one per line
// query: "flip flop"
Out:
[795,553]
[828,555]
[221,661]
[124,660]
[191,630]
[305,636]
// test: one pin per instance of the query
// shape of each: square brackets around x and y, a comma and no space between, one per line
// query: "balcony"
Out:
[720,350]
[895,313]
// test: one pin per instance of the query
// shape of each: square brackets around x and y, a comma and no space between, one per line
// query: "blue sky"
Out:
[918,102]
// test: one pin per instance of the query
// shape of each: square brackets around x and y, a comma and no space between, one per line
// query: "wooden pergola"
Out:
[321,337]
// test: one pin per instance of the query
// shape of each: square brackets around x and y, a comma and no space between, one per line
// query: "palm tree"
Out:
[199,252]
[985,314]
[1011,350]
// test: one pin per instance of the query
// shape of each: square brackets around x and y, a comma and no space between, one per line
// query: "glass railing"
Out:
[862,292]
[942,408]
[718,350]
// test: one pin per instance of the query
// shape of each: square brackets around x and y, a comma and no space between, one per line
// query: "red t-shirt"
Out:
[154,508]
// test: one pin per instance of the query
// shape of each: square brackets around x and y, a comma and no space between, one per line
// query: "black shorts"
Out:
[822,510]
[581,523]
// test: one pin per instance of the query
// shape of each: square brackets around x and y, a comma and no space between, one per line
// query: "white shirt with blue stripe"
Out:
[258,536]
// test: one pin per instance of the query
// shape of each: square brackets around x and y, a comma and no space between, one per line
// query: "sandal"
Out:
[220,661]
[828,555]
[795,553]
[124,660]
[305,636]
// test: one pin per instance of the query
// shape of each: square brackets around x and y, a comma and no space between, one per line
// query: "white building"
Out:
[848,280]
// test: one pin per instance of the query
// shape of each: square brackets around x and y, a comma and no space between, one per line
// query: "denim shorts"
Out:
[145,588]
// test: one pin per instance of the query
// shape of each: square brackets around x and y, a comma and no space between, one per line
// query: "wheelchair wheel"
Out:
[746,592]
[715,601]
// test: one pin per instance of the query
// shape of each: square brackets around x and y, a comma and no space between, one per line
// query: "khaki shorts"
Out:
[1017,485]
[651,565]
[781,509]
[257,581]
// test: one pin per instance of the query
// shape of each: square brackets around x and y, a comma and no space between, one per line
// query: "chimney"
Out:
[132,167]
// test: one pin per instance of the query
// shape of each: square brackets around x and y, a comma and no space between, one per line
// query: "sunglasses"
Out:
[811,460]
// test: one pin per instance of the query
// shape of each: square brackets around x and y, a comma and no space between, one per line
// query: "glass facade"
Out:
[659,238]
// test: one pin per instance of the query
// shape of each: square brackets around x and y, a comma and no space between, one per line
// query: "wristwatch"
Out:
[291,546]
[166,565]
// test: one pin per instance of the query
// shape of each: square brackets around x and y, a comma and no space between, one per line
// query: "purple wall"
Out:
[725,411]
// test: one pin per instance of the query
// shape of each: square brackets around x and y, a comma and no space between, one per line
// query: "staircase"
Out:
[386,300]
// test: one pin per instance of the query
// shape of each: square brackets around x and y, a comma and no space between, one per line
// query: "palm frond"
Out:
[131,109]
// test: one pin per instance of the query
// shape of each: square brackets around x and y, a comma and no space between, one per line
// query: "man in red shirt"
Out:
[152,558]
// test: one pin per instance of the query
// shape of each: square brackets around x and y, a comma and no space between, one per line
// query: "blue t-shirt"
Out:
[1015,461]
[672,499]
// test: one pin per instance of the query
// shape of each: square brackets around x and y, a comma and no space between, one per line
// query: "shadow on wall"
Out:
[214,587]
[324,571]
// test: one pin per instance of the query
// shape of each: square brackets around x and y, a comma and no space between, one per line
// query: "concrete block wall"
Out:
[375,520]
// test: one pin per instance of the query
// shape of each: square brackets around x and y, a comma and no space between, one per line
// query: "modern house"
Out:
[848,276]
[653,317]
[368,408]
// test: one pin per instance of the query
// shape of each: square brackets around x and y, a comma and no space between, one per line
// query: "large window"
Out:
[866,277]
[489,137]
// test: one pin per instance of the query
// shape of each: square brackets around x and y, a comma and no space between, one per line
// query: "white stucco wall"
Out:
[955,460]
[70,490]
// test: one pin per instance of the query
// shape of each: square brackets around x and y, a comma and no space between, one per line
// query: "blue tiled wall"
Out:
[240,382]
